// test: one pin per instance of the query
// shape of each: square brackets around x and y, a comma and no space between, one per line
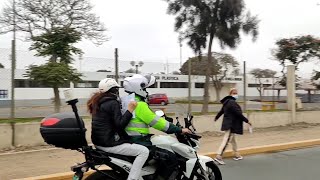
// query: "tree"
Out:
[103,70]
[136,65]
[38,17]
[197,66]
[226,64]
[54,26]
[53,74]
[59,45]
[296,50]
[260,74]
[200,22]
[316,79]
[176,72]
[1,66]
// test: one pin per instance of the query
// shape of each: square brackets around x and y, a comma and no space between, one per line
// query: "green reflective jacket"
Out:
[145,118]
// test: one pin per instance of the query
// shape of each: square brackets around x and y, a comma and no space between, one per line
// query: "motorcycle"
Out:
[67,130]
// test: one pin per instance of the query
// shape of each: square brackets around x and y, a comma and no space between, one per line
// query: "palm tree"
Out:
[200,22]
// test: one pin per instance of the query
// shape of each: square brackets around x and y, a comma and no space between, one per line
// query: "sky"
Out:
[142,31]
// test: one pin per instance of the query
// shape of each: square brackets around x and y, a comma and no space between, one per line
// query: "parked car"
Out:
[158,99]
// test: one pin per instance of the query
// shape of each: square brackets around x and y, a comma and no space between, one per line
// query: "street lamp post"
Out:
[189,86]
[273,91]
[136,65]
[180,45]
[13,63]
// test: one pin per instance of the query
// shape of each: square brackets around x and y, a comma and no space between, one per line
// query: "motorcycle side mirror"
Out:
[159,113]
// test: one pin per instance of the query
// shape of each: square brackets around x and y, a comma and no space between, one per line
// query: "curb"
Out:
[59,176]
[270,148]
[29,151]
[244,151]
[32,151]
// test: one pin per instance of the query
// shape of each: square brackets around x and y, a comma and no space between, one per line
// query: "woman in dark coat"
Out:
[108,126]
[232,124]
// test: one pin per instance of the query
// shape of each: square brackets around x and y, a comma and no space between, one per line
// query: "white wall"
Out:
[27,134]
[5,83]
[5,136]
[47,93]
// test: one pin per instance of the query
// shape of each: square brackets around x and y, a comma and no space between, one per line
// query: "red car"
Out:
[158,99]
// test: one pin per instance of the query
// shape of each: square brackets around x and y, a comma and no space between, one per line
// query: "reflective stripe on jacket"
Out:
[145,118]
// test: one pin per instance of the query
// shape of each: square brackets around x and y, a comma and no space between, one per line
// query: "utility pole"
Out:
[80,62]
[116,65]
[291,90]
[13,63]
[244,87]
[273,103]
[189,87]
[180,44]
[167,66]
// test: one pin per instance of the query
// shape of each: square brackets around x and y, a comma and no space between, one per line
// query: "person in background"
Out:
[232,124]
[108,126]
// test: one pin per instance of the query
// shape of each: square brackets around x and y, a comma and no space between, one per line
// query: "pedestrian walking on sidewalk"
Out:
[232,124]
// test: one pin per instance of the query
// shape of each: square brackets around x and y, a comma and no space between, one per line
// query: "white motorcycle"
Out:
[67,130]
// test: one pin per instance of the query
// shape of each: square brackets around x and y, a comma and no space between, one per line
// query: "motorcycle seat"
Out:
[118,156]
[125,158]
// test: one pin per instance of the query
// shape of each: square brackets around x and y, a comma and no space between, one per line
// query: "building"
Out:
[175,86]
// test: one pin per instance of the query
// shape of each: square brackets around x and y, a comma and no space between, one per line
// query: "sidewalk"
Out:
[23,165]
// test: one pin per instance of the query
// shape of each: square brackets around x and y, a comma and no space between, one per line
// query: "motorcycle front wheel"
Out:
[106,175]
[212,172]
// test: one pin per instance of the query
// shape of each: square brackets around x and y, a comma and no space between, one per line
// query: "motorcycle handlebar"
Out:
[194,136]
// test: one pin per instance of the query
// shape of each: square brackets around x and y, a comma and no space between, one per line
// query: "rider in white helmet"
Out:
[138,128]
[108,126]
[138,83]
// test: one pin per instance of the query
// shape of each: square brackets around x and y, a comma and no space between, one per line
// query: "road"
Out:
[56,161]
[25,112]
[289,165]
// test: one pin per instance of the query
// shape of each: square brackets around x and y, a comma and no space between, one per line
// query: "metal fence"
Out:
[39,107]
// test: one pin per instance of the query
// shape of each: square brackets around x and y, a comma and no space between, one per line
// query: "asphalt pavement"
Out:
[303,164]
[42,111]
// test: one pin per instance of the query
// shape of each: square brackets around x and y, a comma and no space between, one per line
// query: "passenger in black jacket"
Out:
[232,124]
[108,126]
